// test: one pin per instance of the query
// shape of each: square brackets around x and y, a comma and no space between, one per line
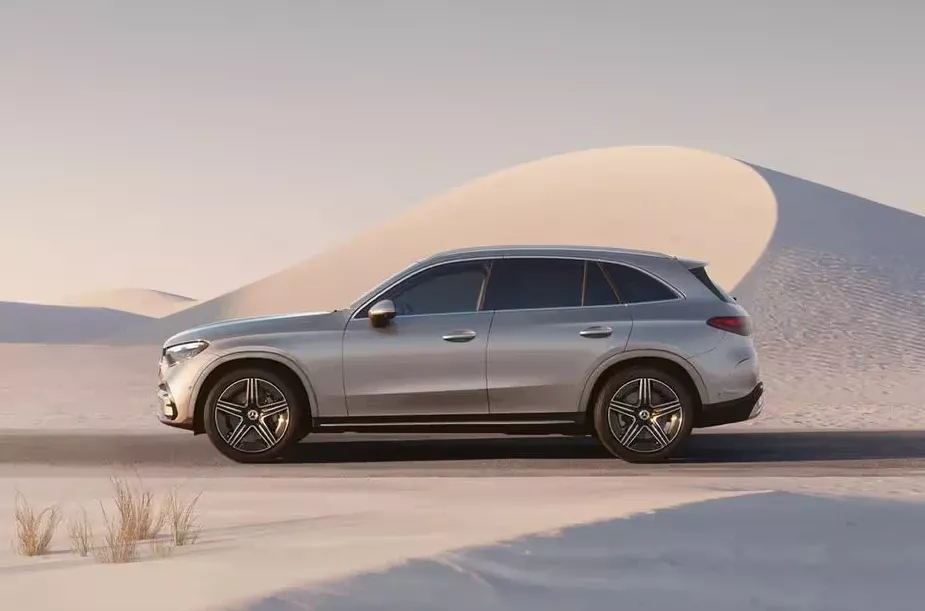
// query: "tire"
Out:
[284,428]
[645,445]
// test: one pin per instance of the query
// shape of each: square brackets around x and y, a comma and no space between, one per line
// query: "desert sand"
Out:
[145,302]
[496,543]
[43,324]
[835,283]
[84,318]
[652,198]
[836,286]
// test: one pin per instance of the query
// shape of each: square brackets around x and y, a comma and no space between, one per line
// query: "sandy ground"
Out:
[266,535]
[78,387]
[274,544]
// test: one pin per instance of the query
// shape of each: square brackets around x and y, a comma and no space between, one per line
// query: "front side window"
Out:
[445,289]
[532,283]
[635,286]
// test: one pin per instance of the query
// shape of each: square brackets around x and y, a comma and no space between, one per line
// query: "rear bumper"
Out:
[736,410]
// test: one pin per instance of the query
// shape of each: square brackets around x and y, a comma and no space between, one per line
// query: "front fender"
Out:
[267,354]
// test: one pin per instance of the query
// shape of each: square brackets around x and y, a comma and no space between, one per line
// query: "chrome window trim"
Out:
[491,258]
[678,292]
[378,296]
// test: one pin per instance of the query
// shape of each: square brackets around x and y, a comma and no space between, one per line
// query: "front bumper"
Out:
[175,390]
[168,413]
[737,410]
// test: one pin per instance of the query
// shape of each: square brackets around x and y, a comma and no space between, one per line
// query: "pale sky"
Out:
[194,147]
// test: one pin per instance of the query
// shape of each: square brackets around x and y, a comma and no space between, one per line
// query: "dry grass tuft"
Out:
[81,534]
[119,546]
[136,519]
[34,531]
[181,518]
[162,548]
[137,514]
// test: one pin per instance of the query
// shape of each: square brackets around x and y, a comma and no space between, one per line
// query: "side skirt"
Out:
[568,423]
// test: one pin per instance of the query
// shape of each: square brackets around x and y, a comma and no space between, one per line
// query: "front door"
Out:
[431,359]
[555,321]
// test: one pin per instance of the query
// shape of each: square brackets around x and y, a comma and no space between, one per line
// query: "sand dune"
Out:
[660,198]
[838,299]
[835,283]
[146,302]
[51,324]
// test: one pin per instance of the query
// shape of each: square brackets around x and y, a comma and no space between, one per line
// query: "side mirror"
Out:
[382,313]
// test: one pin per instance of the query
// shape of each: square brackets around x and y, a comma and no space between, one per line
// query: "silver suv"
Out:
[634,348]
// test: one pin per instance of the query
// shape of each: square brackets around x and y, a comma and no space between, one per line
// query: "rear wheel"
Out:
[253,415]
[643,414]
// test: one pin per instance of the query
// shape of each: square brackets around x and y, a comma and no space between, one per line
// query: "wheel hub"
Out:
[644,414]
[252,414]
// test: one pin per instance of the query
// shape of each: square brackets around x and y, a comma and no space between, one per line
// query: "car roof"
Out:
[538,250]
[541,250]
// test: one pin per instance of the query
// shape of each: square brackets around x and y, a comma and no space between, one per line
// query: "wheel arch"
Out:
[278,363]
[655,358]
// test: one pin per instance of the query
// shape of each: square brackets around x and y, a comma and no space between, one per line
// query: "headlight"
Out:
[182,352]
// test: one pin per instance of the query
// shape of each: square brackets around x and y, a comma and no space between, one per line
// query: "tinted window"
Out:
[701,274]
[453,287]
[517,284]
[597,289]
[635,286]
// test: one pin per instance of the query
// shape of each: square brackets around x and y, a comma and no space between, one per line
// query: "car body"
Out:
[635,348]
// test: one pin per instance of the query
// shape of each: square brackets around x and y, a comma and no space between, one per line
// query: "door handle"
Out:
[460,336]
[596,332]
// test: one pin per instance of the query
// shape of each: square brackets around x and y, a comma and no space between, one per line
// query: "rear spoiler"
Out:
[691,263]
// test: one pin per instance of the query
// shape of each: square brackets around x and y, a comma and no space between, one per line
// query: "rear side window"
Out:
[598,291]
[530,283]
[701,274]
[635,286]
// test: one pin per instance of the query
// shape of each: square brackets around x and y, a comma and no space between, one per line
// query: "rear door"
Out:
[555,320]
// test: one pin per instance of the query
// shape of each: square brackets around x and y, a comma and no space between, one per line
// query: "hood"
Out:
[259,325]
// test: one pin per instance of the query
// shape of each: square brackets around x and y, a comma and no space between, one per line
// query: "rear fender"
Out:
[630,355]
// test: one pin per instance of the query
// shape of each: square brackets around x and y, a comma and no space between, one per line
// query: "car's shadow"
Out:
[702,448]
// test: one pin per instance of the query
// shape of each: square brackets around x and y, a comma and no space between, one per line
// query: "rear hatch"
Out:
[737,321]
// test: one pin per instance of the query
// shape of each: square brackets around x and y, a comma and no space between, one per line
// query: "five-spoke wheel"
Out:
[252,415]
[642,414]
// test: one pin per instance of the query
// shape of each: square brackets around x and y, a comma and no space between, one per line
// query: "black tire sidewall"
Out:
[291,437]
[602,408]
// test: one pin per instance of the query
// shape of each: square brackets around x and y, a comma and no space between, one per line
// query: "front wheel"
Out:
[253,415]
[642,414]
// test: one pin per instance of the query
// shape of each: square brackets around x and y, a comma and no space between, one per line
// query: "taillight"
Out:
[740,325]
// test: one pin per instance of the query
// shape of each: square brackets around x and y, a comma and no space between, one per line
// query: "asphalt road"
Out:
[739,453]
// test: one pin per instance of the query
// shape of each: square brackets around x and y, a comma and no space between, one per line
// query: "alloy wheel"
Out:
[645,415]
[251,415]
